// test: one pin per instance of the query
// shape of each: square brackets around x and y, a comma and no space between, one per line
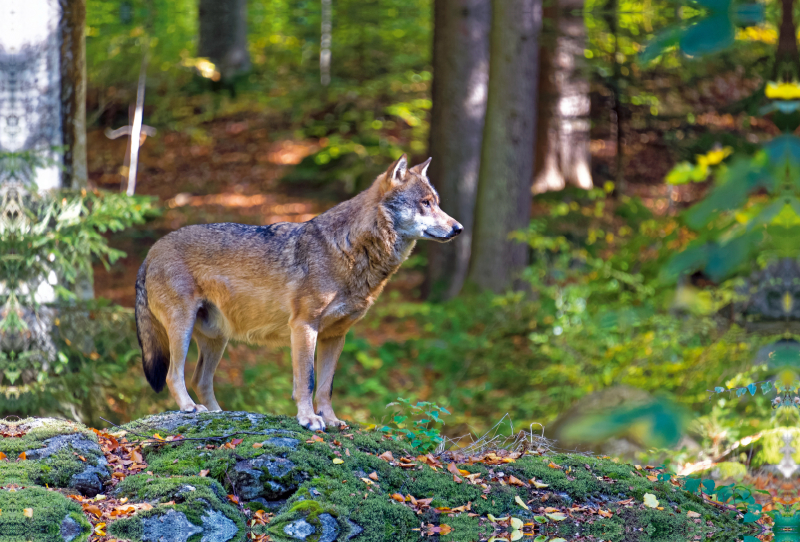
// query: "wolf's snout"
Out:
[457,228]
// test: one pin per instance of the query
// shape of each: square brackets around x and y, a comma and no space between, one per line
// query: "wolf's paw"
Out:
[312,422]
[331,420]
[194,409]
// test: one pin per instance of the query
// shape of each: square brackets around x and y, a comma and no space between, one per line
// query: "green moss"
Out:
[49,510]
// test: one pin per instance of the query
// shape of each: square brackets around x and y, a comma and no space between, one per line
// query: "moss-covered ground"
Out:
[265,477]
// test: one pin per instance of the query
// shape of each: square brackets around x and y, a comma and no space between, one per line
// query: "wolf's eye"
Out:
[426,203]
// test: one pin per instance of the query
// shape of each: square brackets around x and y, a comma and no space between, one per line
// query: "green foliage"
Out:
[417,423]
[48,243]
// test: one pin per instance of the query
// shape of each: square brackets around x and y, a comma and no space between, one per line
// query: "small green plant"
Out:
[418,423]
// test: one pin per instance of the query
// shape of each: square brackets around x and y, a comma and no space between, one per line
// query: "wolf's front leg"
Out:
[304,339]
[328,355]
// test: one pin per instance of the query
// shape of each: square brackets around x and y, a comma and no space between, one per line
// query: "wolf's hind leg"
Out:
[203,379]
[180,335]
[328,352]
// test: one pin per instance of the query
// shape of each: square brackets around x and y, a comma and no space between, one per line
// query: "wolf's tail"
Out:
[155,354]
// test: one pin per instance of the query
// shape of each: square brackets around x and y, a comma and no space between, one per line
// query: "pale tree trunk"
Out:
[504,189]
[460,78]
[223,35]
[43,90]
[562,150]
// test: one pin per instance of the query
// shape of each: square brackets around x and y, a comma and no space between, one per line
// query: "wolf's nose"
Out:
[457,228]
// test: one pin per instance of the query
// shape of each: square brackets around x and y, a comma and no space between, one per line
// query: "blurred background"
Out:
[627,174]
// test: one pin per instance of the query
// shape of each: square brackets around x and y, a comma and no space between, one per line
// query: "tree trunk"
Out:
[43,82]
[223,35]
[787,59]
[73,92]
[460,78]
[562,150]
[504,188]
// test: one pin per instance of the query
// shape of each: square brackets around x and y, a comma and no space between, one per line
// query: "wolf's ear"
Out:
[422,169]
[394,174]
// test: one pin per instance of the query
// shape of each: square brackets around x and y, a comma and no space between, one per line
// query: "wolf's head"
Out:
[413,203]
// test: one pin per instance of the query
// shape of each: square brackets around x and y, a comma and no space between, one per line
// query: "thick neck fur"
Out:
[363,235]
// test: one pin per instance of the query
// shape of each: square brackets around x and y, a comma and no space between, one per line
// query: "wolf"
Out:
[302,285]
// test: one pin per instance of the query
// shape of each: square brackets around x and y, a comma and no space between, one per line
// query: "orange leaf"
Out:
[605,513]
[234,499]
[398,497]
[23,456]
[452,468]
[387,456]
[2,456]
[374,476]
[237,441]
[258,445]
[92,509]
[203,473]
[456,479]
[554,466]
[512,480]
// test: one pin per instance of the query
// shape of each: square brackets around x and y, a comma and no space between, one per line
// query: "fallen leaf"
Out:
[605,513]
[373,476]
[553,465]
[387,456]
[93,509]
[692,514]
[514,481]
[234,499]
[258,445]
[650,500]
[2,456]
[203,473]
[27,512]
[23,456]
[337,461]
[457,480]
[521,502]
[538,485]
[516,523]
[398,497]
[557,516]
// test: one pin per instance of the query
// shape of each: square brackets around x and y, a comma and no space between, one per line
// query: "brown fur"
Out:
[302,285]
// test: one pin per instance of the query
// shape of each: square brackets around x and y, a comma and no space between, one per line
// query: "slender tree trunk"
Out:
[506,169]
[787,59]
[73,92]
[460,78]
[223,35]
[562,150]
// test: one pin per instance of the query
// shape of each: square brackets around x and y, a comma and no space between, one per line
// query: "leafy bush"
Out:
[417,423]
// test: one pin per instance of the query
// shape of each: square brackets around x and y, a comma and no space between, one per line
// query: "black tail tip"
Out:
[155,370]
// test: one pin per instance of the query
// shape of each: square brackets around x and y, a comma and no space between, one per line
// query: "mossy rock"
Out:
[39,514]
[292,472]
[207,475]
[57,453]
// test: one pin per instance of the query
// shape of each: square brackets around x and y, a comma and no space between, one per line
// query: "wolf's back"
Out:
[155,355]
